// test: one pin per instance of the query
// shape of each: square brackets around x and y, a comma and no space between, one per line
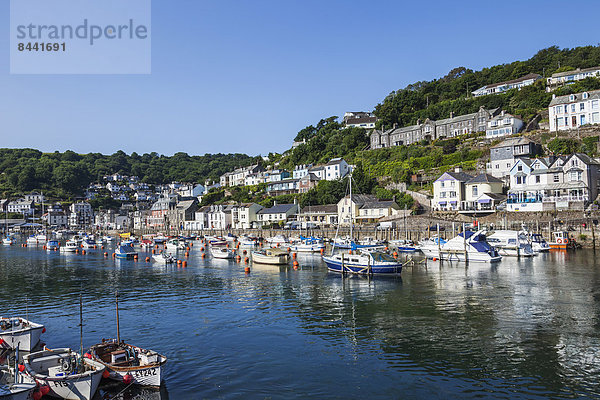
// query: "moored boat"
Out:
[561,241]
[7,241]
[538,243]
[176,244]
[12,389]
[308,245]
[271,256]
[19,332]
[52,245]
[467,246]
[68,375]
[363,262]
[71,246]
[125,251]
[221,252]
[129,364]
[164,258]
[511,243]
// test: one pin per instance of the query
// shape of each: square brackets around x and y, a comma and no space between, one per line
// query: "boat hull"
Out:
[18,391]
[26,339]
[307,248]
[336,266]
[143,376]
[71,387]
[272,260]
[460,256]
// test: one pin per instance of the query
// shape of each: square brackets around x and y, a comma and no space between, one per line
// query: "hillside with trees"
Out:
[67,174]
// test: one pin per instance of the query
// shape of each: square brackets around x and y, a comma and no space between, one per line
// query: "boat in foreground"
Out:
[129,364]
[363,262]
[11,387]
[271,256]
[71,246]
[19,332]
[470,246]
[7,241]
[561,241]
[68,375]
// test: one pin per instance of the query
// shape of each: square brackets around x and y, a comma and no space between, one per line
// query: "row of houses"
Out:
[278,181]
[523,181]
[171,213]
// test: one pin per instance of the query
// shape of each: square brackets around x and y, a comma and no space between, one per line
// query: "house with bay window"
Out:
[503,124]
[553,183]
[449,190]
[483,193]
[574,110]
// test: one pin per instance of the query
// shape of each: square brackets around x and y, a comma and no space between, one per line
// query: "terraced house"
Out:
[431,130]
[574,110]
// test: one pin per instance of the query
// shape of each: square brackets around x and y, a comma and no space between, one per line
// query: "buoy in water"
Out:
[184,264]
[247,270]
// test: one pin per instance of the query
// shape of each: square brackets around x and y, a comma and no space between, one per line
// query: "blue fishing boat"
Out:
[364,262]
[125,251]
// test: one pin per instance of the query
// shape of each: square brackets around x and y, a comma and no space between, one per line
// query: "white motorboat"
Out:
[19,332]
[428,245]
[538,243]
[363,262]
[68,375]
[469,245]
[164,258]
[129,364]
[176,244]
[7,241]
[247,241]
[278,240]
[221,252]
[71,246]
[88,243]
[271,256]
[32,240]
[369,241]
[511,243]
[52,245]
[308,245]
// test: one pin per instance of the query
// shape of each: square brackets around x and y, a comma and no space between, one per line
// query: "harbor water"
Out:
[521,328]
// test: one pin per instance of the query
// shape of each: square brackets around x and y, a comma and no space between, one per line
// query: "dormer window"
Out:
[572,97]
[585,95]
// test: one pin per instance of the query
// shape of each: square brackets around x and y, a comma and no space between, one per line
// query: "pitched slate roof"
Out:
[516,141]
[459,176]
[592,94]
[277,209]
[484,178]
[326,209]
[575,71]
[378,204]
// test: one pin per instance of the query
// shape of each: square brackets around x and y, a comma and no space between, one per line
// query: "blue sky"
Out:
[246,76]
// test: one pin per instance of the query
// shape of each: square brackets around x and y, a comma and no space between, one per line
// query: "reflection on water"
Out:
[523,328]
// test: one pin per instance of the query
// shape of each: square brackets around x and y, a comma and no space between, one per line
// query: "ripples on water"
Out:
[519,329]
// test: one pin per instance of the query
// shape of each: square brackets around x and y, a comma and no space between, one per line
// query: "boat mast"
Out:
[351,208]
[118,330]
[81,324]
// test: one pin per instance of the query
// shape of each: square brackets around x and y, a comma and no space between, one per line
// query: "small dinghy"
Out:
[221,252]
[19,332]
[65,372]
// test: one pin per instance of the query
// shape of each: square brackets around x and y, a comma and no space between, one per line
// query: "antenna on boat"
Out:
[118,330]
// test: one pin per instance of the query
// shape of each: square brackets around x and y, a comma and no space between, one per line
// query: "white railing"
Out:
[554,199]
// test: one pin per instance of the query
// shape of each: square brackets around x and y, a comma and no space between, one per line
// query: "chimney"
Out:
[395,125]
[274,203]
[458,169]
[419,121]
[553,96]
[451,114]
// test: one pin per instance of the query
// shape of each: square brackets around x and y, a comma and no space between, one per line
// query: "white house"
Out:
[360,119]
[336,168]
[21,206]
[277,214]
[483,193]
[35,197]
[245,216]
[503,124]
[300,171]
[449,191]
[502,87]
[553,183]
[191,190]
[81,214]
[574,110]
[565,78]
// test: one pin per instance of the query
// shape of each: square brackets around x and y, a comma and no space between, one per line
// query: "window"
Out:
[572,97]
[537,179]
[596,117]
[582,120]
[595,104]
[519,180]
[557,109]
[585,95]
[556,179]
[442,184]
[566,109]
[581,106]
[519,168]
[572,108]
[497,166]
[475,190]
[451,183]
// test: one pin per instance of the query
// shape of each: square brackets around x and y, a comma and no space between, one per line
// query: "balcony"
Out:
[557,199]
